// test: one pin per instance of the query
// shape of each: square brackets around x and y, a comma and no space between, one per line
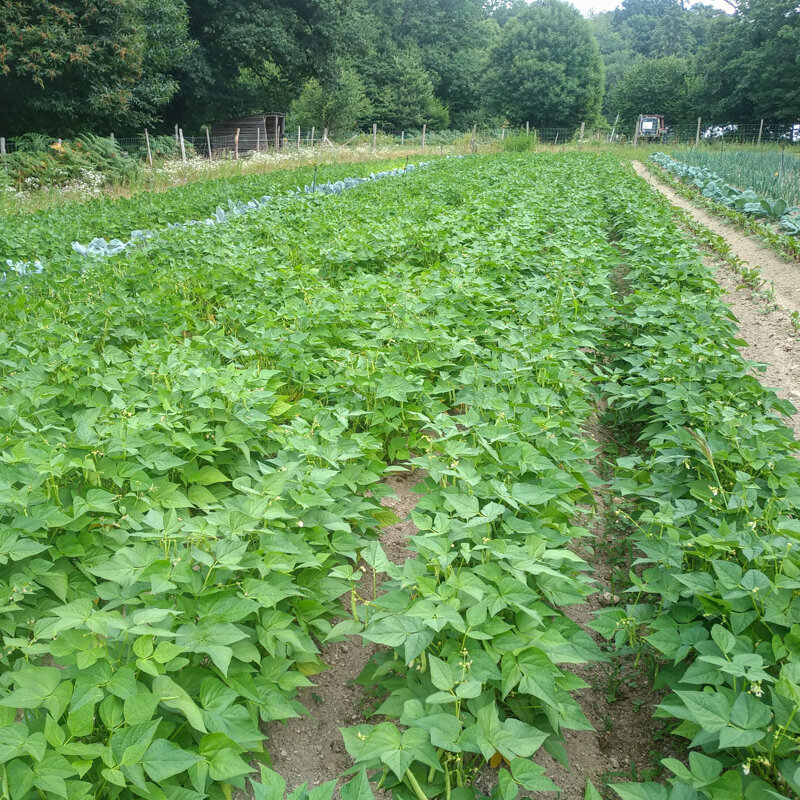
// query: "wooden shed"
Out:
[256,132]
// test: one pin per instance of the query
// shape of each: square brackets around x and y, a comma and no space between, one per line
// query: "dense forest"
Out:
[69,66]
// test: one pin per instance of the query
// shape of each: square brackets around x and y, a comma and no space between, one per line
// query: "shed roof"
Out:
[251,118]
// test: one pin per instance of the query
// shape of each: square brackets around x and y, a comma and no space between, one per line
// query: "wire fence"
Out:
[731,134]
[207,146]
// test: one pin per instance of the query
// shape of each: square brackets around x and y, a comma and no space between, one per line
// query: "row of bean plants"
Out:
[709,492]
[478,669]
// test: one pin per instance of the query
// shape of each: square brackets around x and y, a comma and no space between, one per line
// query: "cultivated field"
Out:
[771,171]
[198,434]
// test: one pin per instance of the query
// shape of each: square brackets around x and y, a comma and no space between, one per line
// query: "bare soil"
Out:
[310,749]
[626,743]
[765,325]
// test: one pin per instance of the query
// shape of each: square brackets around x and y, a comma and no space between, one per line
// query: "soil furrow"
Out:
[626,743]
[310,749]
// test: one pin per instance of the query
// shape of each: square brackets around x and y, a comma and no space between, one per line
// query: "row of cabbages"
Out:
[747,201]
[100,247]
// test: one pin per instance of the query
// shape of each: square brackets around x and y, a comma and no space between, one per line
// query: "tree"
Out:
[341,105]
[752,62]
[451,38]
[404,96]
[546,68]
[501,11]
[617,51]
[656,86]
[166,46]
[642,30]
[654,28]
[67,66]
[448,39]
[81,65]
[254,55]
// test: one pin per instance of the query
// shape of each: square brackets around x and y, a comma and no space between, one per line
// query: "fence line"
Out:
[712,134]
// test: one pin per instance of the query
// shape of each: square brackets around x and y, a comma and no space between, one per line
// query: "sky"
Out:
[588,6]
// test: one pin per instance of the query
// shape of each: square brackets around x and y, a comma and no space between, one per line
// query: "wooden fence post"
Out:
[149,152]
[313,129]
[176,131]
[424,129]
[583,128]
[2,145]
[325,136]
[374,136]
[783,150]
[502,134]
[527,129]
[208,142]
[760,131]
[298,137]
[258,141]
[697,135]
[236,144]
[614,128]
[473,144]
[402,138]
[183,146]
[277,134]
[556,141]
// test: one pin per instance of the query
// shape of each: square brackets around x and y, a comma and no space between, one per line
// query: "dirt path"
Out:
[785,275]
[310,749]
[768,331]
[770,338]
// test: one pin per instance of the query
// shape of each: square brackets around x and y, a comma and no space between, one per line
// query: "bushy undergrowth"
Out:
[519,142]
[39,161]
